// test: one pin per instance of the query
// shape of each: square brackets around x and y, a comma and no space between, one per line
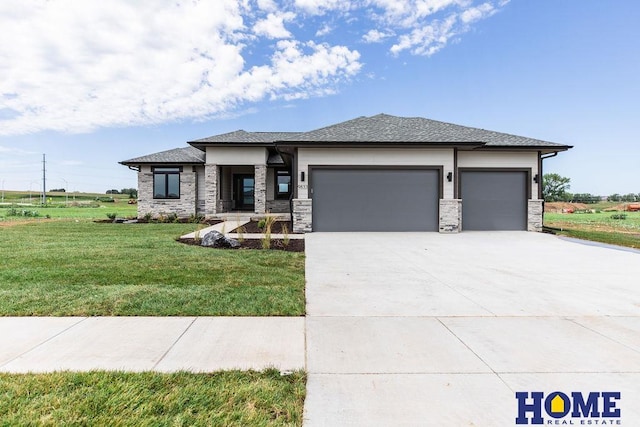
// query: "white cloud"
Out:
[326,29]
[319,7]
[375,36]
[273,26]
[267,5]
[75,66]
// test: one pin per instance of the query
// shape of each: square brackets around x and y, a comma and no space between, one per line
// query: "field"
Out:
[65,205]
[605,225]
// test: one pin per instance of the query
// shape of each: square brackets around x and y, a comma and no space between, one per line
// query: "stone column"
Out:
[211,189]
[145,194]
[450,216]
[260,189]
[535,210]
[302,216]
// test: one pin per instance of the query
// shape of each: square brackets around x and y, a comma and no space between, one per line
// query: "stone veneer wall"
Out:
[301,215]
[450,216]
[211,189]
[535,211]
[278,206]
[260,189]
[183,207]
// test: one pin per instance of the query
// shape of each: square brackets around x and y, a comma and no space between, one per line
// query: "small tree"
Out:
[554,187]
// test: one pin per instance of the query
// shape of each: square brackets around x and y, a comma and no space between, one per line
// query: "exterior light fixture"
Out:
[536,178]
[302,176]
[450,176]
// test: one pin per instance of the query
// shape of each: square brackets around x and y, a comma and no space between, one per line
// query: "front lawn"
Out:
[80,268]
[230,398]
[617,228]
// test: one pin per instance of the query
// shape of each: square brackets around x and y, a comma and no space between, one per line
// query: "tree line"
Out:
[555,189]
[132,192]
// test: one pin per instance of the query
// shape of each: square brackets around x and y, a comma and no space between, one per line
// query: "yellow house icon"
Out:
[557,404]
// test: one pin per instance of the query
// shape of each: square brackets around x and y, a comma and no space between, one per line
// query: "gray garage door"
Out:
[493,200]
[375,199]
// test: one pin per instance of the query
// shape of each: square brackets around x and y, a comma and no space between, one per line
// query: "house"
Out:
[379,173]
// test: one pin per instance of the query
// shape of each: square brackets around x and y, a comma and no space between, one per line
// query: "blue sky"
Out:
[93,83]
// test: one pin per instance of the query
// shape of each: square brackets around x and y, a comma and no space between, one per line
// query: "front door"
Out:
[243,192]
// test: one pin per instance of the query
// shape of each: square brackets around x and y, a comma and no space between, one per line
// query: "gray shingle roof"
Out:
[241,136]
[177,156]
[384,128]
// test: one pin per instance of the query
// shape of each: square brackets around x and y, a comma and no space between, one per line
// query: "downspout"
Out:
[540,172]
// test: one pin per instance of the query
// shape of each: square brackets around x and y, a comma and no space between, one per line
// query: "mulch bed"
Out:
[295,245]
[276,228]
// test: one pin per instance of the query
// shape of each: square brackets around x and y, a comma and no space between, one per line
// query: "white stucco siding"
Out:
[501,159]
[236,155]
[374,157]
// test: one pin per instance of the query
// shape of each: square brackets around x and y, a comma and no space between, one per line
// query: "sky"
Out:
[92,83]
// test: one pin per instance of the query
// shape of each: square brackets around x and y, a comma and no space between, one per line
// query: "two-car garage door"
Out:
[375,199]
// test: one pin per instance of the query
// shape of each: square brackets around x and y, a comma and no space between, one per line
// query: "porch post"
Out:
[260,189]
[211,187]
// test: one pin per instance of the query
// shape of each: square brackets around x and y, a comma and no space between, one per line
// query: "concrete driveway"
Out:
[433,329]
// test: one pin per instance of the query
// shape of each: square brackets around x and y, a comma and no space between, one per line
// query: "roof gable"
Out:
[244,137]
[189,155]
[384,128]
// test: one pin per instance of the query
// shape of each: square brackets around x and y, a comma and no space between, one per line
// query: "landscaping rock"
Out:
[215,239]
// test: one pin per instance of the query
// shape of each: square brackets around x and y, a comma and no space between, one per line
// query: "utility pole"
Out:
[44,180]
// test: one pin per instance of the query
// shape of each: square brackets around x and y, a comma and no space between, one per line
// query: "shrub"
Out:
[619,216]
[285,235]
[172,217]
[196,218]
[268,224]
[262,223]
[112,216]
[23,212]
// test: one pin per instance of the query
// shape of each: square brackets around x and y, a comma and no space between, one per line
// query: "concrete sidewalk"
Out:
[164,344]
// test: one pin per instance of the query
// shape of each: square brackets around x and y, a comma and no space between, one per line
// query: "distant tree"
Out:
[132,192]
[58,190]
[113,192]
[585,198]
[554,187]
[614,198]
[630,198]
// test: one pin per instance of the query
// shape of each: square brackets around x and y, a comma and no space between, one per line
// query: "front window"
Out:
[283,184]
[166,183]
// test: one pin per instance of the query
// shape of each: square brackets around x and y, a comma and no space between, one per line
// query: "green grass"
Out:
[599,227]
[87,211]
[80,268]
[230,398]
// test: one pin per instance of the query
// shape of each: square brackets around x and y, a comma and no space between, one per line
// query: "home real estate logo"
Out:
[575,408]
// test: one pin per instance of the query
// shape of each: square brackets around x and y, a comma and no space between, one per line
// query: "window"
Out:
[283,184]
[166,183]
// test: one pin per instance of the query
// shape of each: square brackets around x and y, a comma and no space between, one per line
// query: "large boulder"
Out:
[215,239]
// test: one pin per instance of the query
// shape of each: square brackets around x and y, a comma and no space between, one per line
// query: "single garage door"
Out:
[493,200]
[373,199]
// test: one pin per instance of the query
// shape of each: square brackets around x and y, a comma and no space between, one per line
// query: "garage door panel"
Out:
[493,200]
[375,200]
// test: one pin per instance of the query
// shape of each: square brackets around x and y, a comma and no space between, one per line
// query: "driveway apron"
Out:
[421,329]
